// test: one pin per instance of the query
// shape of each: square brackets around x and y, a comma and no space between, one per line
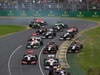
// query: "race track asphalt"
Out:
[11,43]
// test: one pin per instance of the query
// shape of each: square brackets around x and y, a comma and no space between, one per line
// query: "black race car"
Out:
[49,34]
[50,62]
[60,23]
[34,25]
[51,48]
[67,36]
[57,28]
[29,58]
[42,30]
[75,47]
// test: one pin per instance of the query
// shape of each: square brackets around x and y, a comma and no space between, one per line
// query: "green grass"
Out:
[86,18]
[91,18]
[7,29]
[89,58]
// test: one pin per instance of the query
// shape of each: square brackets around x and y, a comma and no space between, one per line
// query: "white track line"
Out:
[9,69]
[39,60]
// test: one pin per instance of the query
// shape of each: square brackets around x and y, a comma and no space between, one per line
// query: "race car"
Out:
[67,36]
[72,30]
[75,47]
[59,23]
[35,36]
[50,48]
[57,28]
[50,34]
[40,21]
[29,58]
[50,62]
[59,71]
[42,30]
[34,42]
[34,25]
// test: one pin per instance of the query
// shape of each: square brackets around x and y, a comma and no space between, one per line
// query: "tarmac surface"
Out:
[12,47]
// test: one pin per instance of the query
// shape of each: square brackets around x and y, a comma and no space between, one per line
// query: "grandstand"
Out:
[50,4]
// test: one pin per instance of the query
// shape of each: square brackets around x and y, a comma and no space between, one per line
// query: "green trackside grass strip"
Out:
[8,29]
[79,64]
[70,61]
[89,59]
[91,18]
[96,19]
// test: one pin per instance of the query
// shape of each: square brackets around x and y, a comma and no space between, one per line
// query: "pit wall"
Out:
[50,13]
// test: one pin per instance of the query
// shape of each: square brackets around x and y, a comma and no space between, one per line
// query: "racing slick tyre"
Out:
[30,25]
[57,48]
[41,43]
[54,34]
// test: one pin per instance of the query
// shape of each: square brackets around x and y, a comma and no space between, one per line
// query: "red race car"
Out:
[40,21]
[72,30]
[29,58]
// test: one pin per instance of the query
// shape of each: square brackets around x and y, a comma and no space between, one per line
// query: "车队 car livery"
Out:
[59,70]
[60,23]
[50,34]
[50,62]
[42,30]
[50,48]
[34,42]
[57,28]
[75,47]
[72,30]
[67,36]
[29,58]
[40,21]
[34,25]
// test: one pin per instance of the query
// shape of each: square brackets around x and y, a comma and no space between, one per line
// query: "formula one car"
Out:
[59,23]
[39,21]
[49,34]
[34,25]
[50,48]
[42,30]
[60,71]
[72,30]
[57,28]
[29,58]
[67,36]
[35,36]
[75,47]
[50,62]
[34,42]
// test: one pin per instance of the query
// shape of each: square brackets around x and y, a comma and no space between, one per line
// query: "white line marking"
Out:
[39,60]
[40,57]
[11,57]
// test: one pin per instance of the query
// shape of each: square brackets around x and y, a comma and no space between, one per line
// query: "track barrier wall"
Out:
[54,13]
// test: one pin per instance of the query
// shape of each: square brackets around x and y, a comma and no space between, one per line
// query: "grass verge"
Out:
[89,58]
[91,18]
[97,19]
[7,29]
